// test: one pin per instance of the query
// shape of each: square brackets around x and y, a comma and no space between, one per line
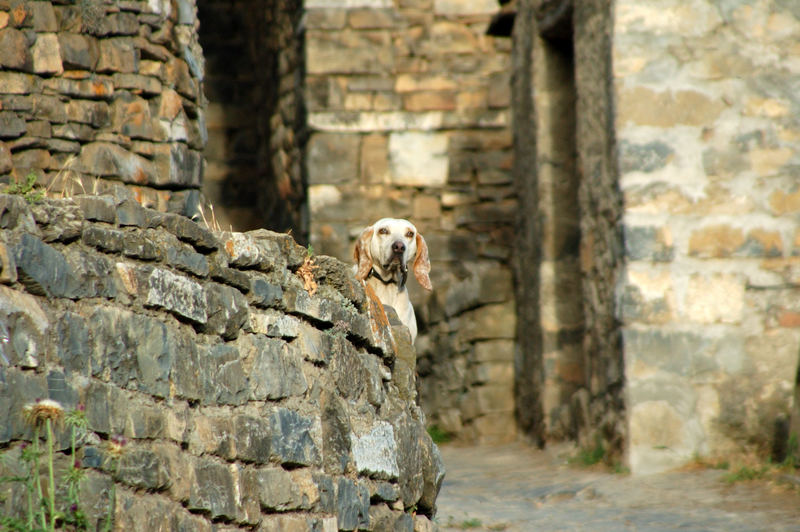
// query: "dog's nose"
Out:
[398,247]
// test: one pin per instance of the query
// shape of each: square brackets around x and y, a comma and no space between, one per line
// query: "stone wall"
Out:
[248,397]
[255,175]
[707,128]
[96,94]
[408,109]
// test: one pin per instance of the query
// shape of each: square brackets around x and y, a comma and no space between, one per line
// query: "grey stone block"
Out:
[188,231]
[16,213]
[74,348]
[375,452]
[275,373]
[227,310]
[109,240]
[226,381]
[58,220]
[97,208]
[254,439]
[274,489]
[130,212]
[265,294]
[142,468]
[177,294]
[214,490]
[352,505]
[183,258]
[43,270]
[336,432]
[292,443]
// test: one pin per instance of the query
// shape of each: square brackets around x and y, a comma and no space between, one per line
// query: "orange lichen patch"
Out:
[229,247]
[100,89]
[18,14]
[788,318]
[306,273]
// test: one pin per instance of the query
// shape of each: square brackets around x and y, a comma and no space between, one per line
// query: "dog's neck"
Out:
[397,277]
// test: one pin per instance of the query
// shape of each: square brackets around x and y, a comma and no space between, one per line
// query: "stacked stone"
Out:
[99,93]
[408,110]
[245,398]
[707,130]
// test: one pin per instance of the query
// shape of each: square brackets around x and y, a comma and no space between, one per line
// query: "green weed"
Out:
[27,189]
[438,435]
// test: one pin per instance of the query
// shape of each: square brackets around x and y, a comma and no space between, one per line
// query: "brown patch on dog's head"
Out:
[422,264]
[362,255]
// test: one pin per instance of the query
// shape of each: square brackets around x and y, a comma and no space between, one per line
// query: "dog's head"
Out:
[389,246]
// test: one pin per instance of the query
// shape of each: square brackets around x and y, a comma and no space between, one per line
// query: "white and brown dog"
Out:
[383,254]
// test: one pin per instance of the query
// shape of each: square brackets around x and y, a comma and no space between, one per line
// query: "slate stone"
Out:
[231,277]
[184,258]
[97,208]
[6,163]
[59,389]
[275,373]
[142,468]
[138,350]
[179,295]
[410,438]
[11,125]
[264,294]
[227,311]
[336,431]
[24,329]
[254,439]
[94,271]
[433,473]
[214,490]
[15,213]
[110,240]
[139,246]
[291,442]
[58,220]
[117,55]
[352,505]
[227,382]
[74,348]
[644,157]
[43,270]
[188,231]
[131,213]
[274,489]
[327,493]
[189,374]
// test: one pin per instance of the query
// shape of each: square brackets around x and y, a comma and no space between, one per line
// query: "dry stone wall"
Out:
[97,94]
[246,399]
[408,105]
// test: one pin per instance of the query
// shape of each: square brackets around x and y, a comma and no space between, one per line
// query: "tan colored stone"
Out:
[716,298]
[429,101]
[785,202]
[645,107]
[424,82]
[170,104]
[768,107]
[715,241]
[4,18]
[374,158]
[768,162]
[359,101]
[418,158]
[46,54]
[372,18]
[426,207]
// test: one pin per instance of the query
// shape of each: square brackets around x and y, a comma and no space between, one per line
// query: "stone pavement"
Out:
[517,488]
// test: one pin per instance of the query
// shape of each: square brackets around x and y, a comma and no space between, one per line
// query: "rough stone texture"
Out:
[725,217]
[92,94]
[287,425]
[402,124]
[686,342]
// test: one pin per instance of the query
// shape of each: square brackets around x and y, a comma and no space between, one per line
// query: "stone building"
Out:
[683,159]
[610,196]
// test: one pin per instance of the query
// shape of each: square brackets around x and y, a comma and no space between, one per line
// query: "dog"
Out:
[383,253]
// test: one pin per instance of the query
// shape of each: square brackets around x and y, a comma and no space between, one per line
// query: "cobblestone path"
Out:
[516,488]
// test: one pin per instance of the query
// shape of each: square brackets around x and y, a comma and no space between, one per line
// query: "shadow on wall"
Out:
[255,175]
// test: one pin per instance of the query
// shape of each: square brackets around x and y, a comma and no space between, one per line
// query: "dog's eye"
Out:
[383,231]
[410,234]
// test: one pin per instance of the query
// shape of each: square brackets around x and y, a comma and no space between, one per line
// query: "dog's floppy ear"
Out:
[422,264]
[362,255]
